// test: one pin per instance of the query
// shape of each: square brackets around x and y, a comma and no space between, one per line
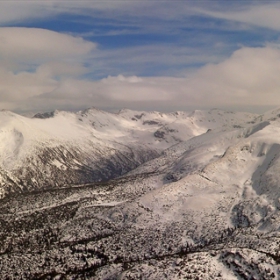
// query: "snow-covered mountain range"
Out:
[140,195]
[59,149]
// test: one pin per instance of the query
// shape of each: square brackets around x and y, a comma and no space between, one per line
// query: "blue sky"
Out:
[143,55]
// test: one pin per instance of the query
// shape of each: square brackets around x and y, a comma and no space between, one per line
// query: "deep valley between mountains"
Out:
[140,195]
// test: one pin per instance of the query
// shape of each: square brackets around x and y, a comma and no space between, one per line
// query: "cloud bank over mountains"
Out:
[43,69]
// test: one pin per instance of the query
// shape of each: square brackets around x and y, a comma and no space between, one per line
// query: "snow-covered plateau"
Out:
[140,195]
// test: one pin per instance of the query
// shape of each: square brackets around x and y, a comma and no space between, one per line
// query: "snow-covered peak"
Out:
[220,118]
[90,111]
[272,115]
[155,129]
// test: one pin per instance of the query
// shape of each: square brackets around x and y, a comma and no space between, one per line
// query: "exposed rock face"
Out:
[44,115]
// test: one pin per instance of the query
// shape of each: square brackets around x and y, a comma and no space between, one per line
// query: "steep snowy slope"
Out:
[61,150]
[221,192]
[239,162]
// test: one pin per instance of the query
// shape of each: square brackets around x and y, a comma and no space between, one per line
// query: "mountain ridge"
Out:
[92,141]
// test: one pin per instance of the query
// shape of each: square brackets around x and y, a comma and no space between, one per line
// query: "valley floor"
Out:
[101,231]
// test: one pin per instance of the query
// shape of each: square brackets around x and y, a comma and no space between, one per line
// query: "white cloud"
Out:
[34,61]
[257,14]
[20,11]
[33,45]
[42,69]
[247,79]
[147,16]
[151,16]
[112,92]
